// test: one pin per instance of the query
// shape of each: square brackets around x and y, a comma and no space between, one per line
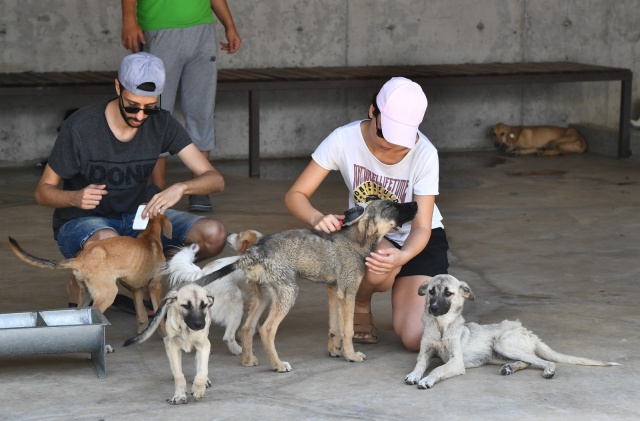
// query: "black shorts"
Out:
[432,260]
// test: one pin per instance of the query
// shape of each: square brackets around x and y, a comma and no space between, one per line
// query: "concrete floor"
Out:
[554,242]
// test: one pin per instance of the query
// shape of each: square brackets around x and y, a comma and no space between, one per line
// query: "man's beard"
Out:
[126,119]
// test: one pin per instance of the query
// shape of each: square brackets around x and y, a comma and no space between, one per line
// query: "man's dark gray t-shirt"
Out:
[86,152]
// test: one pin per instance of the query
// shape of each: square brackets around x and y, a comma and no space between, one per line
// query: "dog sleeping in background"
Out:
[187,320]
[463,345]
[540,140]
[231,292]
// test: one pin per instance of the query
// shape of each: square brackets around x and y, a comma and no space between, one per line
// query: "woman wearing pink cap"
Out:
[385,157]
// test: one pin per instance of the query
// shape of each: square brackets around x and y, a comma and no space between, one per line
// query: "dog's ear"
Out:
[167,228]
[365,225]
[466,291]
[423,288]
[169,298]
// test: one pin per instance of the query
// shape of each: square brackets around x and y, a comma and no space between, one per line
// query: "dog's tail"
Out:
[182,270]
[219,273]
[544,351]
[161,313]
[34,260]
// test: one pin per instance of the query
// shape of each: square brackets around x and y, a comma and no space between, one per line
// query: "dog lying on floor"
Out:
[187,320]
[231,292]
[135,262]
[338,259]
[540,140]
[463,345]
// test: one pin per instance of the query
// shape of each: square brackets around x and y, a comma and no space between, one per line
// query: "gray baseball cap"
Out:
[142,74]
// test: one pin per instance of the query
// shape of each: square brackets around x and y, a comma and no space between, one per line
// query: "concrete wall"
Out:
[49,35]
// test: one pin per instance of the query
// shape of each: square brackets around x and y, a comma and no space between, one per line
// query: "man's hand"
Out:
[233,43]
[89,197]
[132,36]
[164,200]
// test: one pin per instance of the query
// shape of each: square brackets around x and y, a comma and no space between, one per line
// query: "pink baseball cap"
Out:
[402,105]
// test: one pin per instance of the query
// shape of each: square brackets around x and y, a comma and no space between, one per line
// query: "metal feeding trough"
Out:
[56,332]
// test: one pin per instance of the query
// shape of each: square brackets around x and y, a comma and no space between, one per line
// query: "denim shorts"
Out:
[73,234]
[432,260]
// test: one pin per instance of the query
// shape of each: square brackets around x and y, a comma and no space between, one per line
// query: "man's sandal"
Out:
[363,326]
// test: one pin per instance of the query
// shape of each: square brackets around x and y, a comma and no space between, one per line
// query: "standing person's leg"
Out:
[167,44]
[198,98]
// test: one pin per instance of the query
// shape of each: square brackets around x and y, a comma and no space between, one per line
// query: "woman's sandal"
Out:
[363,326]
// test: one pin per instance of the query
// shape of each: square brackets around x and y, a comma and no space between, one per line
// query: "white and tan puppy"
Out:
[231,293]
[187,320]
[466,345]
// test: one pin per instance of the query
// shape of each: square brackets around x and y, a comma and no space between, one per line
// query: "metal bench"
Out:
[256,80]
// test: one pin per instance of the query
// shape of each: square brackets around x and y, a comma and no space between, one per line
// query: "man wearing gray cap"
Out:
[99,170]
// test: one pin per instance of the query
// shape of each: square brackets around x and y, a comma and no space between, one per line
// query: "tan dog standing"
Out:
[135,262]
[187,319]
[463,345]
[540,140]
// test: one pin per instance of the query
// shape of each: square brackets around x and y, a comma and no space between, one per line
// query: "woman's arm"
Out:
[297,199]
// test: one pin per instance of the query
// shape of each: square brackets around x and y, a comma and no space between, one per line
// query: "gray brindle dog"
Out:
[337,260]
[463,345]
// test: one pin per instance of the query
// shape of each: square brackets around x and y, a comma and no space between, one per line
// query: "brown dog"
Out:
[540,140]
[135,262]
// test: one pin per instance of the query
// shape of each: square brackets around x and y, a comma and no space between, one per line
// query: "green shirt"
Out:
[164,14]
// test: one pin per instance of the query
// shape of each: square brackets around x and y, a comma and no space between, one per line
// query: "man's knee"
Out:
[210,235]
[102,234]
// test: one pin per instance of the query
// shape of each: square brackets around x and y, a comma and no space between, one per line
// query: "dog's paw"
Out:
[250,361]
[108,349]
[548,374]
[177,400]
[282,367]
[426,383]
[412,378]
[234,348]
[356,357]
[207,384]
[198,392]
[506,370]
[335,352]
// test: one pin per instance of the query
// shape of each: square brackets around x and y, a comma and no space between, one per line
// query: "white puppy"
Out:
[231,293]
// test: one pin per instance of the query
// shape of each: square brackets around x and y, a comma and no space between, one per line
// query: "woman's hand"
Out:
[329,223]
[383,261]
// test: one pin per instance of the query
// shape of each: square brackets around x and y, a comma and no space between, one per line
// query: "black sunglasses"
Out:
[136,110]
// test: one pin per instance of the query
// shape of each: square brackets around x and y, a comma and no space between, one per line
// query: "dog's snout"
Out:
[439,306]
[196,320]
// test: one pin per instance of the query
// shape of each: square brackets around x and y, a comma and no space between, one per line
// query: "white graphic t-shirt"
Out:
[367,178]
